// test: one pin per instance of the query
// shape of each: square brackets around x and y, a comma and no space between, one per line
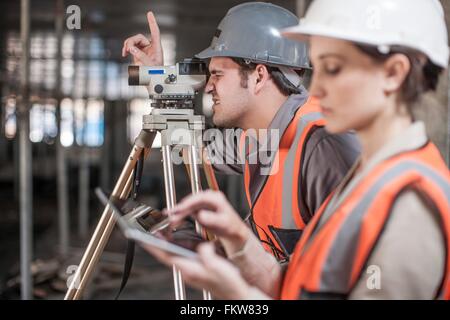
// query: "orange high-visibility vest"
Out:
[331,258]
[277,204]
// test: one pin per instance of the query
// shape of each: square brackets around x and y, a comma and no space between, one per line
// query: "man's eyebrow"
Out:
[215,71]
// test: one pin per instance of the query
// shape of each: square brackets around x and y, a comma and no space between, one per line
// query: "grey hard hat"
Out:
[252,31]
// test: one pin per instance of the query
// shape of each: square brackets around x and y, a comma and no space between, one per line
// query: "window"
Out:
[89,122]
[10,118]
[67,122]
[43,122]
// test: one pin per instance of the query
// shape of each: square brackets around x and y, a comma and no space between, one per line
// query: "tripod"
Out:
[180,129]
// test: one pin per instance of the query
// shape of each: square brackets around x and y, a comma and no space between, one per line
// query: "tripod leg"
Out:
[209,171]
[196,187]
[106,223]
[210,177]
[195,178]
[169,183]
[212,182]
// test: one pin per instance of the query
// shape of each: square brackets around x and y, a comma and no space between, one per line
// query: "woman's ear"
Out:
[396,70]
[261,77]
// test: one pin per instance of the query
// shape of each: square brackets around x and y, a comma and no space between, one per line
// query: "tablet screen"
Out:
[131,232]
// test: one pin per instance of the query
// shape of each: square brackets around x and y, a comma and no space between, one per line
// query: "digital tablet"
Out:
[131,232]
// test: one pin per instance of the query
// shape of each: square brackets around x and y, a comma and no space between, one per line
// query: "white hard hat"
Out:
[416,24]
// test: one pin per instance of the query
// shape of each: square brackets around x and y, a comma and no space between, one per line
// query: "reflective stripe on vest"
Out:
[277,202]
[332,259]
[291,216]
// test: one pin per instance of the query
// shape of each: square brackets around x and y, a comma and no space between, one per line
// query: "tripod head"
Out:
[170,86]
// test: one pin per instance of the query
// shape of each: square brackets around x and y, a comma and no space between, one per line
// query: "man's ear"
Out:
[396,70]
[261,77]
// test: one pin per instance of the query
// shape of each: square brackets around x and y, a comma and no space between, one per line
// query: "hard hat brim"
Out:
[298,33]
[209,53]
[304,32]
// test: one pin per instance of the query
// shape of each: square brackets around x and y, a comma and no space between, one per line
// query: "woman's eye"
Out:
[332,70]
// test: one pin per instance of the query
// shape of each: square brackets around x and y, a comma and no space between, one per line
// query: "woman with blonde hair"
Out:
[384,233]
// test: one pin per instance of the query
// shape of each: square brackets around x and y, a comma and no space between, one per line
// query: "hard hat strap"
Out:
[291,75]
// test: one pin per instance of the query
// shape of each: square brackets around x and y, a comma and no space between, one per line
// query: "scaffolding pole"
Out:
[25,159]
[84,164]
[84,179]
[62,179]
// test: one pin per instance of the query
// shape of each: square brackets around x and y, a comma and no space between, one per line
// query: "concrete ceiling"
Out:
[192,21]
[117,18]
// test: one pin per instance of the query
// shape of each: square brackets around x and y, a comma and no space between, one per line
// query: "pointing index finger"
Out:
[154,28]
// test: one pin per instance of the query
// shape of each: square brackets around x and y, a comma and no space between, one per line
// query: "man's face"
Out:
[231,100]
